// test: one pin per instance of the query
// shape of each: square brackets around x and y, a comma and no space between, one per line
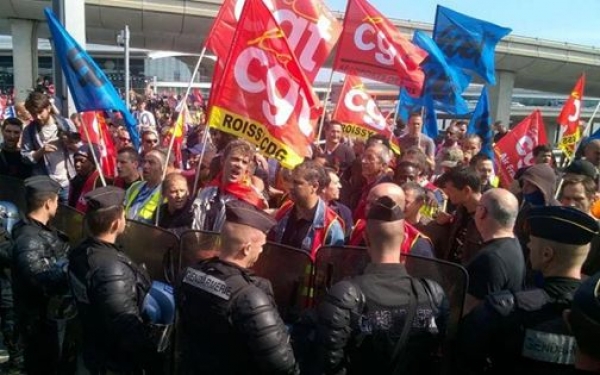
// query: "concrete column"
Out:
[25,56]
[501,96]
[71,14]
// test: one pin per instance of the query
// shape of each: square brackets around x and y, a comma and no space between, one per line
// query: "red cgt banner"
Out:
[97,133]
[372,47]
[358,112]
[515,150]
[263,95]
[312,30]
[569,119]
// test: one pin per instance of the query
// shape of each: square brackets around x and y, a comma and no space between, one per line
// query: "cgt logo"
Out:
[368,38]
[356,100]
[283,92]
[525,146]
[305,32]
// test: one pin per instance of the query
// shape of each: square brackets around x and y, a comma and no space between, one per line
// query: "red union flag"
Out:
[263,95]
[373,47]
[514,150]
[311,29]
[96,132]
[358,112]
[569,119]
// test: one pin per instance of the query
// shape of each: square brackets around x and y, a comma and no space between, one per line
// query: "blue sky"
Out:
[573,21]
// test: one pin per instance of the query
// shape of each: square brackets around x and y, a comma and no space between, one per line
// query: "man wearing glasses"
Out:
[149,141]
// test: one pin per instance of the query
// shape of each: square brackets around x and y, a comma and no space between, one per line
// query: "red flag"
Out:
[97,133]
[569,119]
[373,47]
[178,129]
[197,96]
[514,150]
[312,30]
[358,112]
[263,95]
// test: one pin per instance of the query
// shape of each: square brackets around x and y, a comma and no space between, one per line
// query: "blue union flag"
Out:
[468,42]
[90,88]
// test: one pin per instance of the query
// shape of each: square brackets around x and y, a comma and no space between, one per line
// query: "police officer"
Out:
[583,319]
[383,321]
[229,321]
[524,332]
[110,290]
[39,279]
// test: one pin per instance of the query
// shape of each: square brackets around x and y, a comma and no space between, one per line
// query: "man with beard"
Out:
[127,168]
[47,144]
[177,214]
[230,324]
[232,183]
[337,153]
[143,197]
[11,162]
[87,178]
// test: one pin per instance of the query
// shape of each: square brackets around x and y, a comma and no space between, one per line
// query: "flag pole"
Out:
[98,166]
[322,120]
[184,100]
[203,142]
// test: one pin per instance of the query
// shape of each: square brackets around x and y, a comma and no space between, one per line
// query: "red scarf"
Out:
[241,190]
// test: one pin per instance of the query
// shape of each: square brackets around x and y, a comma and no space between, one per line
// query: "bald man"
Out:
[414,243]
[386,298]
[500,264]
[228,315]
[143,197]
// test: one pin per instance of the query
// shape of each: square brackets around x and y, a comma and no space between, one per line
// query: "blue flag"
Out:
[468,42]
[430,127]
[481,124]
[444,83]
[407,105]
[90,88]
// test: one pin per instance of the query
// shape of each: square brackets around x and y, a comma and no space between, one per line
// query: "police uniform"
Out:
[229,321]
[524,332]
[362,322]
[584,322]
[40,286]
[110,290]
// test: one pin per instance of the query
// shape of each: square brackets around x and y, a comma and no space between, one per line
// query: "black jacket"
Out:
[110,289]
[38,267]
[230,324]
[361,320]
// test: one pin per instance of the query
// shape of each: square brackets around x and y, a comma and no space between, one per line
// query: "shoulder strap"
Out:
[398,360]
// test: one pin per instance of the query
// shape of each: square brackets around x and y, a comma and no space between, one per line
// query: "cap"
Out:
[385,209]
[587,298]
[562,224]
[105,197]
[243,213]
[41,184]
[86,150]
[196,150]
[540,175]
[582,167]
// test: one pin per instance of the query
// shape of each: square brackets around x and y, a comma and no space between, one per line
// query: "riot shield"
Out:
[195,245]
[290,272]
[453,278]
[336,263]
[13,190]
[149,245]
[69,221]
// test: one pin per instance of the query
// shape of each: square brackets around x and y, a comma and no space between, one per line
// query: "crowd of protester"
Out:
[453,208]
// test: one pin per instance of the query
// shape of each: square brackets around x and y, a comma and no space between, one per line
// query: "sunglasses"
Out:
[151,141]
[123,139]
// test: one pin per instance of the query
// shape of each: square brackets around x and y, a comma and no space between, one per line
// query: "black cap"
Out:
[562,224]
[243,213]
[86,150]
[41,184]
[587,298]
[385,209]
[105,197]
[582,167]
